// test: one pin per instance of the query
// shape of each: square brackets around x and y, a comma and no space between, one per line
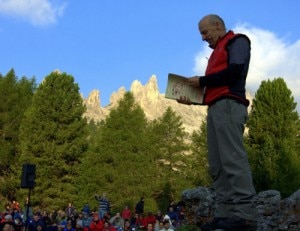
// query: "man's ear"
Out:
[218,25]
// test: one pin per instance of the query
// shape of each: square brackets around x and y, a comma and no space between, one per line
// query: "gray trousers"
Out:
[228,160]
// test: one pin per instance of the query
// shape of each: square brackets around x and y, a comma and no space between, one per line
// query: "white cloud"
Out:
[37,12]
[271,57]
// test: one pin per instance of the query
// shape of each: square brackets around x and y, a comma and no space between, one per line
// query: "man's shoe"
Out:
[237,224]
[212,225]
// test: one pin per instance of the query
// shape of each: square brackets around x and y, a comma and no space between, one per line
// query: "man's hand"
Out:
[193,81]
[184,100]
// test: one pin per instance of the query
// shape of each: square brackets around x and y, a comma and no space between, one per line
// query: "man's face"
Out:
[210,32]
[69,226]
[8,227]
[167,225]
[150,226]
[127,223]
[36,217]
[96,218]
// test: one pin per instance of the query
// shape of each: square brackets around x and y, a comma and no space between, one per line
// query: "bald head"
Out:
[211,28]
[213,19]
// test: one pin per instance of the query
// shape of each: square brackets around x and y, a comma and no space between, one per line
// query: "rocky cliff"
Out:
[274,213]
[151,101]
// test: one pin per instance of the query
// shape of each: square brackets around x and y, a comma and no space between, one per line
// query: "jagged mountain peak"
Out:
[94,98]
[151,101]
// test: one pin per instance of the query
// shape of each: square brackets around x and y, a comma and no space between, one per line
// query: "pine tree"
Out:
[171,153]
[15,97]
[53,137]
[119,160]
[169,140]
[298,137]
[271,138]
[199,160]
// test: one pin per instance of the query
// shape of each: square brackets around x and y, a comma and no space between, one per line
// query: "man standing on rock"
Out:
[225,80]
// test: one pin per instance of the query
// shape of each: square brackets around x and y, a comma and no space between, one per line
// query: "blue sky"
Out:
[107,44]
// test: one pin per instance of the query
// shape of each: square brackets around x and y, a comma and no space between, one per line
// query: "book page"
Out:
[177,87]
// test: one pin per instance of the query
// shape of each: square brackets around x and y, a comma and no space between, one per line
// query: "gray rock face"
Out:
[274,213]
[151,101]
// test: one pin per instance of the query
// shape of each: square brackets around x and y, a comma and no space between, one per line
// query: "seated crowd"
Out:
[14,219]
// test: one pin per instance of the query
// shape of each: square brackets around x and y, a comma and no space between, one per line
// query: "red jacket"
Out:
[126,214]
[96,226]
[151,219]
[141,223]
[217,62]
[110,228]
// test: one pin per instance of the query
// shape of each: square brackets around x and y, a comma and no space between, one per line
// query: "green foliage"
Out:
[298,137]
[15,97]
[171,151]
[164,198]
[119,160]
[188,227]
[128,156]
[53,137]
[168,136]
[199,160]
[271,140]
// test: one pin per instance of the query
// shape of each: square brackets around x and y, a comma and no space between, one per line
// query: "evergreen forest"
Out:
[126,155]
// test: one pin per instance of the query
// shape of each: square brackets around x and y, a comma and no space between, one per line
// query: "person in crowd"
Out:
[37,223]
[8,218]
[167,218]
[54,216]
[79,226]
[17,213]
[62,219]
[96,224]
[126,213]
[173,216]
[7,226]
[159,225]
[224,80]
[150,218]
[108,227]
[46,218]
[79,217]
[69,210]
[86,221]
[141,222]
[117,221]
[159,216]
[127,225]
[150,227]
[133,221]
[107,216]
[15,205]
[104,205]
[69,227]
[167,225]
[86,208]
[53,224]
[18,221]
[181,211]
[139,207]
[72,220]
[171,204]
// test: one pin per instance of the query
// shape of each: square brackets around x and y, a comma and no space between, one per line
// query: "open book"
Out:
[177,87]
